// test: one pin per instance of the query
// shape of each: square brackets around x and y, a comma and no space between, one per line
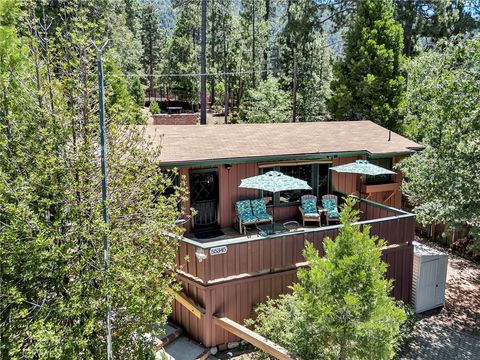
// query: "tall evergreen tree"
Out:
[51,253]
[252,42]
[305,61]
[153,40]
[370,84]
[220,18]
[183,53]
[432,20]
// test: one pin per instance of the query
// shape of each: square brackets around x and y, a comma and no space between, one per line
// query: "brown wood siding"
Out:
[344,182]
[229,192]
[236,299]
[256,268]
[264,255]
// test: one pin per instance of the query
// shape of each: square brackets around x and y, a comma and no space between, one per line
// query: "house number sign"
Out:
[218,250]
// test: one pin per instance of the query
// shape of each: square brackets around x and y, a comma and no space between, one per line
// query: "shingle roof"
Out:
[197,143]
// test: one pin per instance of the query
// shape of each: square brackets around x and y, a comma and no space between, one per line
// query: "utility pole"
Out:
[103,162]
[253,44]
[203,66]
[225,81]
[294,90]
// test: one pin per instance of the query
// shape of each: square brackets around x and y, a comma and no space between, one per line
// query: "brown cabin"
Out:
[228,272]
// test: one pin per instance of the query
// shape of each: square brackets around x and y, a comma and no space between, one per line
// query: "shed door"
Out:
[430,293]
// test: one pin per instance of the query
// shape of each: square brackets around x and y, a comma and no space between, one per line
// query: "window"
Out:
[316,175]
[303,172]
[380,179]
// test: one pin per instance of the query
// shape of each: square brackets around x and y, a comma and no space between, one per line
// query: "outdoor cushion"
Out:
[331,206]
[311,215]
[244,211]
[309,205]
[260,210]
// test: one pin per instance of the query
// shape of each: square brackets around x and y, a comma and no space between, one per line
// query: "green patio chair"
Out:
[330,204]
[260,211]
[244,215]
[308,209]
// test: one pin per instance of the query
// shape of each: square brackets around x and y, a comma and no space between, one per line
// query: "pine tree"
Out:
[370,84]
[266,103]
[341,307]
[51,253]
[137,91]
[183,54]
[152,37]
[305,61]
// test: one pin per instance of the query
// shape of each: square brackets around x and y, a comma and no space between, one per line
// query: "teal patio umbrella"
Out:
[362,167]
[274,182]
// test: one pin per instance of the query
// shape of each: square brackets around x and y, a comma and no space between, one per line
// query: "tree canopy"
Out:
[442,112]
[369,80]
[51,252]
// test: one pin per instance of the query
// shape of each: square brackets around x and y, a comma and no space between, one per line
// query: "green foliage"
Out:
[369,84]
[267,103]
[442,112]
[137,91]
[119,102]
[153,38]
[51,252]
[183,52]
[302,44]
[340,308]
[154,107]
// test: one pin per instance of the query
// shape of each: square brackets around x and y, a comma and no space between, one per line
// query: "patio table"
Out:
[268,229]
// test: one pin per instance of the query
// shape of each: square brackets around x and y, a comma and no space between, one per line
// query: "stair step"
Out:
[183,348]
[172,332]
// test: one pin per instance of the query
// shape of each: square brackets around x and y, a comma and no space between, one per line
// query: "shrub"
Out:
[341,307]
[137,92]
[154,108]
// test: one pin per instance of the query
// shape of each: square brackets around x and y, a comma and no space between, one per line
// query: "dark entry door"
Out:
[204,197]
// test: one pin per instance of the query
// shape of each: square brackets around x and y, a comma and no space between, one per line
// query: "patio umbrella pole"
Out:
[273,215]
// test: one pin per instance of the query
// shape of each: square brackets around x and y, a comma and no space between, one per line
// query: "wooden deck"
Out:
[229,275]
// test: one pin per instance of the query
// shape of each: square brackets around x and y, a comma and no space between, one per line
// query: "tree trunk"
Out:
[212,54]
[294,91]
[203,67]
[410,14]
[225,81]
[265,51]
[253,44]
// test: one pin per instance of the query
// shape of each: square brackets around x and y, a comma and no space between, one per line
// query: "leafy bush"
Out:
[341,308]
[266,104]
[154,108]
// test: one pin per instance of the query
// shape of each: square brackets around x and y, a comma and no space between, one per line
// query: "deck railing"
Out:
[217,261]
[230,276]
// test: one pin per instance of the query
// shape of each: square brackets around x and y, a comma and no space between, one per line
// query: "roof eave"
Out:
[251,159]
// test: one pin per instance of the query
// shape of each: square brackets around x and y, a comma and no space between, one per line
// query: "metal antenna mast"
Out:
[103,152]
